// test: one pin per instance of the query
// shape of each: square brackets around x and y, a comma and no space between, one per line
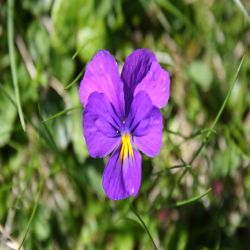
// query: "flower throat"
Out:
[126,148]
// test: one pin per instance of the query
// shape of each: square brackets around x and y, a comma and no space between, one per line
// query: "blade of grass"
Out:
[191,200]
[41,185]
[47,136]
[170,168]
[159,14]
[10,29]
[84,45]
[144,226]
[199,132]
[8,96]
[242,9]
[74,81]
[61,113]
[212,128]
[175,133]
[45,132]
[209,132]
[167,5]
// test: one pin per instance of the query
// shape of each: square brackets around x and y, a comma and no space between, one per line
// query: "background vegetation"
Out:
[194,195]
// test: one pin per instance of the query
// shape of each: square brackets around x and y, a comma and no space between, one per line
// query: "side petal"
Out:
[157,85]
[102,76]
[100,125]
[141,71]
[150,144]
[139,120]
[112,179]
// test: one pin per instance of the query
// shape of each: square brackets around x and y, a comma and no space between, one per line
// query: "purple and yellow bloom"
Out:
[122,116]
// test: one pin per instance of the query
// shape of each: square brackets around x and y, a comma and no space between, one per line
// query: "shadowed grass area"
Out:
[194,194]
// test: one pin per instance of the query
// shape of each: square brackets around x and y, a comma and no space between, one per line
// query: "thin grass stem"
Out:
[10,29]
[144,225]
[61,113]
[74,81]
[41,185]
[212,128]
[243,10]
[191,200]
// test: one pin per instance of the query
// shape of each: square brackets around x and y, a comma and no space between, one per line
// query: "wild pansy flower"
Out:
[122,116]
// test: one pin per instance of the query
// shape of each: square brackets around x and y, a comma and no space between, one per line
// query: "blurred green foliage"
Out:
[201,44]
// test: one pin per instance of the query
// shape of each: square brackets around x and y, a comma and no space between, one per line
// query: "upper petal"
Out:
[122,179]
[141,71]
[102,76]
[100,124]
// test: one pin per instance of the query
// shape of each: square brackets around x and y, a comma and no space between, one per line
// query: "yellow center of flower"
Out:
[126,148]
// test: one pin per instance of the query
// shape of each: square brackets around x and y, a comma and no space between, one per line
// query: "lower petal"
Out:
[132,173]
[112,180]
[122,178]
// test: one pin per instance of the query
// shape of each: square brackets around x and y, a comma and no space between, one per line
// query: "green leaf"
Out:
[226,161]
[37,7]
[91,38]
[39,43]
[201,73]
[41,225]
[8,114]
[65,14]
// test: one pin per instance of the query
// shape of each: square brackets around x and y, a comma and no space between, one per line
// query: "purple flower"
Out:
[122,116]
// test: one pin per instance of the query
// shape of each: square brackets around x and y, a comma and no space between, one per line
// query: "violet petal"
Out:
[132,173]
[122,178]
[139,118]
[100,124]
[150,143]
[102,76]
[112,179]
[141,71]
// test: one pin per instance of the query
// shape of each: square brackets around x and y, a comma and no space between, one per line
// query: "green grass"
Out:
[12,60]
